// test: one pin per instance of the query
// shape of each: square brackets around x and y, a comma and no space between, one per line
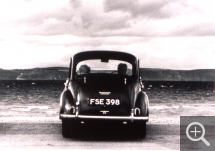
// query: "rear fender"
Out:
[142,105]
[67,102]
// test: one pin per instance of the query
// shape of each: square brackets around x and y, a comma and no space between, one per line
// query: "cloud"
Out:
[75,3]
[201,29]
[150,18]
[166,33]
[74,19]
[147,8]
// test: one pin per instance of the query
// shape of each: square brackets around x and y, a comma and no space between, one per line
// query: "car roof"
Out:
[104,55]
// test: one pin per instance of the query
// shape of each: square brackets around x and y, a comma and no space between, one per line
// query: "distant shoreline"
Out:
[147,74]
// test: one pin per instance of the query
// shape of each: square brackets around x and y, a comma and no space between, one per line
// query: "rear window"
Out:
[108,67]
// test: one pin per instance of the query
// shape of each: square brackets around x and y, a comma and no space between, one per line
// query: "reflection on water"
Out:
[29,108]
[48,91]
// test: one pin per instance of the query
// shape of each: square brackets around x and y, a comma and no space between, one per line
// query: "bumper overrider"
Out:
[131,117]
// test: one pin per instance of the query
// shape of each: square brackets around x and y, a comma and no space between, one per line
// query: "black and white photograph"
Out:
[107,75]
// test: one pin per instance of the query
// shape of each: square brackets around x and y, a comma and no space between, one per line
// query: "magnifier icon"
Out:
[195,131]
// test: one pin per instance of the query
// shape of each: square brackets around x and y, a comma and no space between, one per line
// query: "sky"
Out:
[167,34]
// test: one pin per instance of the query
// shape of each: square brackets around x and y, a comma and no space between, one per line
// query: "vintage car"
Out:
[105,86]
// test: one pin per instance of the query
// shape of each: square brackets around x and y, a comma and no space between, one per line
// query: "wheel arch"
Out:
[142,103]
[66,98]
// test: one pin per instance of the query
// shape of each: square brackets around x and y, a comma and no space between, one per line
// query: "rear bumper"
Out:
[131,118]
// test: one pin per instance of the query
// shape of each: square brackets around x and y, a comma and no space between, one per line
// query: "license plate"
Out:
[104,101]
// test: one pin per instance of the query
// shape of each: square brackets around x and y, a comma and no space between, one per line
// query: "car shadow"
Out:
[106,132]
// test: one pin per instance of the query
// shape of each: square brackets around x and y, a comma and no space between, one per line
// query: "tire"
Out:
[140,129]
[68,128]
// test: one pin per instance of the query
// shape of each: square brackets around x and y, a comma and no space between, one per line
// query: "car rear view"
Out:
[103,85]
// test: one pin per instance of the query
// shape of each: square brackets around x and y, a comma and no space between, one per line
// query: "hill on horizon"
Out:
[177,75]
[147,74]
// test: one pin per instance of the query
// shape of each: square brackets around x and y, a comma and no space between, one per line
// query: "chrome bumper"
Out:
[132,118]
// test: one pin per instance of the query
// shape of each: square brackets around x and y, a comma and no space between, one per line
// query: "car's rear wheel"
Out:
[140,129]
[68,128]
